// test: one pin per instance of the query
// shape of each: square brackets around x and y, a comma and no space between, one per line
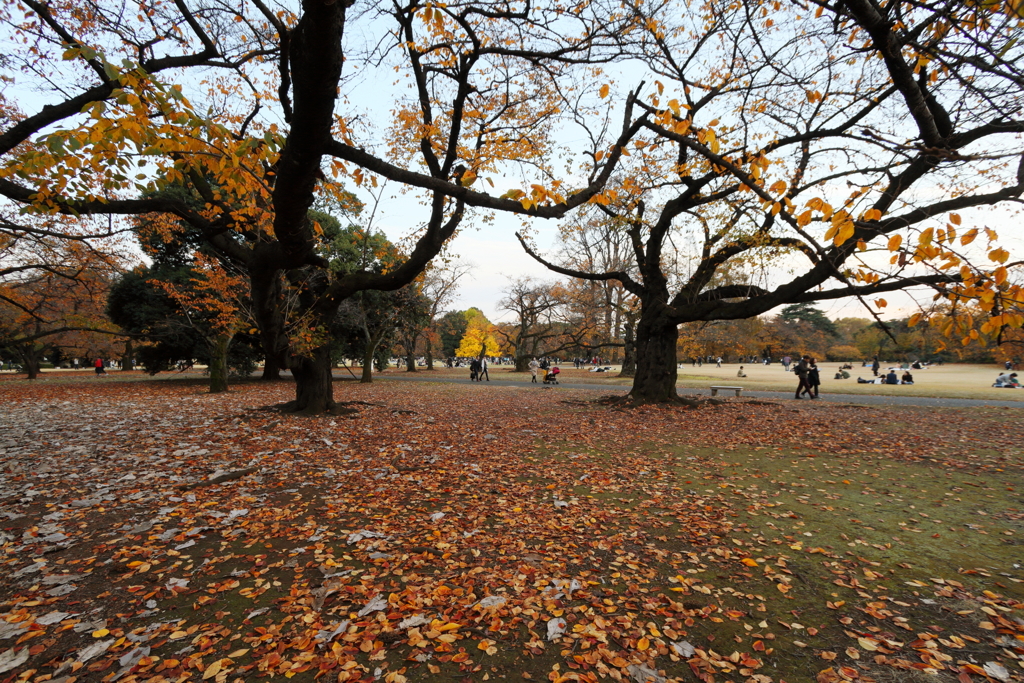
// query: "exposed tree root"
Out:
[338,409]
[219,479]
[629,401]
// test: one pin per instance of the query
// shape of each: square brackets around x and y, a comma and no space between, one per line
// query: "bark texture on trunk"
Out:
[367,377]
[655,378]
[30,359]
[314,388]
[266,296]
[126,358]
[219,363]
[629,351]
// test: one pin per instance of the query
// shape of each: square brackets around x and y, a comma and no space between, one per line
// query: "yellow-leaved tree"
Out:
[480,338]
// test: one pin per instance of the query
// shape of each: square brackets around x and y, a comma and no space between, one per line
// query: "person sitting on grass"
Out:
[741,373]
[891,378]
[1007,381]
[907,378]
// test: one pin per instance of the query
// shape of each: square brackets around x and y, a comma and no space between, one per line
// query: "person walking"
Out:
[533,370]
[99,367]
[802,368]
[813,379]
[875,365]
[483,369]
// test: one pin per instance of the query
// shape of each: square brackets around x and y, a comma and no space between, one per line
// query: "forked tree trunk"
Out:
[30,359]
[410,363]
[219,363]
[314,390]
[523,363]
[655,378]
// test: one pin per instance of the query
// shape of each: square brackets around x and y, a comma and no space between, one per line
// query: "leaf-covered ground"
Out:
[501,533]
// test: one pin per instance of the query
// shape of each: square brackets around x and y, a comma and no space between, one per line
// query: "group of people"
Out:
[806,370]
[478,370]
[550,371]
[889,378]
[1007,380]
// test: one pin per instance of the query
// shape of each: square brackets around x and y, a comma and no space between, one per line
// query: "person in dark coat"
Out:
[813,379]
[803,367]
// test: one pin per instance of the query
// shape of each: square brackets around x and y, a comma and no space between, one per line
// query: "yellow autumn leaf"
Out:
[643,644]
[212,670]
[604,91]
[895,241]
[844,232]
[238,653]
[100,633]
[999,255]
[749,561]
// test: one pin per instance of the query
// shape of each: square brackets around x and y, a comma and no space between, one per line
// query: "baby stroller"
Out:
[552,376]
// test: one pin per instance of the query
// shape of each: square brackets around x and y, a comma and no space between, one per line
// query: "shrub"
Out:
[843,352]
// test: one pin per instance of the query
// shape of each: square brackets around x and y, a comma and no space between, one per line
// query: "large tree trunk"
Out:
[314,389]
[219,363]
[30,359]
[266,291]
[367,377]
[271,369]
[127,362]
[428,353]
[629,352]
[655,379]
[523,363]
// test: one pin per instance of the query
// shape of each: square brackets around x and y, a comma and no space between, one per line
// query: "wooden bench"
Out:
[715,390]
